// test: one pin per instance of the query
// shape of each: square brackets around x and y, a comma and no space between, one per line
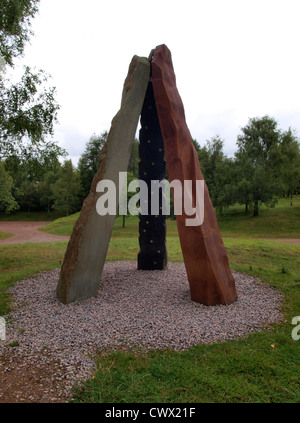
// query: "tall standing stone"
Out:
[86,252]
[210,278]
[152,169]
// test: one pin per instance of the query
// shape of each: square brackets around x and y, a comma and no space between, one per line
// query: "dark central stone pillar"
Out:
[152,167]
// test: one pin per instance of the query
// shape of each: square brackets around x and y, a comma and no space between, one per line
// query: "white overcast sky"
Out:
[233,59]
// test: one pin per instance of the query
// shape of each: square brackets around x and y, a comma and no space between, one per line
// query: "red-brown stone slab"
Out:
[210,278]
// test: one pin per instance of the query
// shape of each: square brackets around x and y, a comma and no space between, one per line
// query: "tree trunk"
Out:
[123,221]
[291,199]
[255,208]
[246,208]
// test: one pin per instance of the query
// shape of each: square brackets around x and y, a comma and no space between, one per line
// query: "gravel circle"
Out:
[148,309]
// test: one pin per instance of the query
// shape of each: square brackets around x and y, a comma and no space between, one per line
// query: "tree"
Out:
[125,194]
[133,165]
[203,156]
[209,157]
[257,161]
[27,113]
[89,163]
[218,172]
[244,193]
[67,190]
[15,21]
[7,202]
[290,161]
[28,109]
[28,170]
[225,188]
[45,190]
[33,164]
[27,195]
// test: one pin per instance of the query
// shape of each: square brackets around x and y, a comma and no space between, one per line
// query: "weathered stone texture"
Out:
[210,278]
[152,167]
[86,252]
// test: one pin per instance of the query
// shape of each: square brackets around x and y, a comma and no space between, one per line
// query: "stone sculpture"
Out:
[164,140]
[152,167]
[210,278]
[86,251]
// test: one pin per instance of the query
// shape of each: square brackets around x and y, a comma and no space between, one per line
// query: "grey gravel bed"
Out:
[148,309]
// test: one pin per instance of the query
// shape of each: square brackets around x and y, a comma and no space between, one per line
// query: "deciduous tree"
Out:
[28,109]
[257,159]
[67,190]
[89,163]
[290,161]
[15,22]
[8,203]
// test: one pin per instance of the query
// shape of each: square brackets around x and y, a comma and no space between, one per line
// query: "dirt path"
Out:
[28,232]
[285,240]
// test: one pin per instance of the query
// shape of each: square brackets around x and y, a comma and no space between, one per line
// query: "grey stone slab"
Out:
[86,251]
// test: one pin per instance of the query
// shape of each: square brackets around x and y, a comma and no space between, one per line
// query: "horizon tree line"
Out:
[265,167]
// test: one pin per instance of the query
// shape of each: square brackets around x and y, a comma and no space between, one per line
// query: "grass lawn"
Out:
[4,235]
[29,216]
[61,226]
[262,367]
[20,261]
[282,221]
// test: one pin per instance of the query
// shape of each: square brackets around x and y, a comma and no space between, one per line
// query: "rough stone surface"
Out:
[152,167]
[210,278]
[86,252]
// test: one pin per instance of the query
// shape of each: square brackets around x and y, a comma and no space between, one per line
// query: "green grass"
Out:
[282,221]
[4,235]
[61,226]
[21,261]
[244,371]
[29,216]
[262,367]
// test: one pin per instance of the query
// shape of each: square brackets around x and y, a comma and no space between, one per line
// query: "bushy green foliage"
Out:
[265,166]
[28,109]
[7,201]
[67,190]
[89,161]
[15,21]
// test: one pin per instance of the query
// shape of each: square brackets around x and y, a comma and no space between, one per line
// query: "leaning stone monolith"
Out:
[86,251]
[210,278]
